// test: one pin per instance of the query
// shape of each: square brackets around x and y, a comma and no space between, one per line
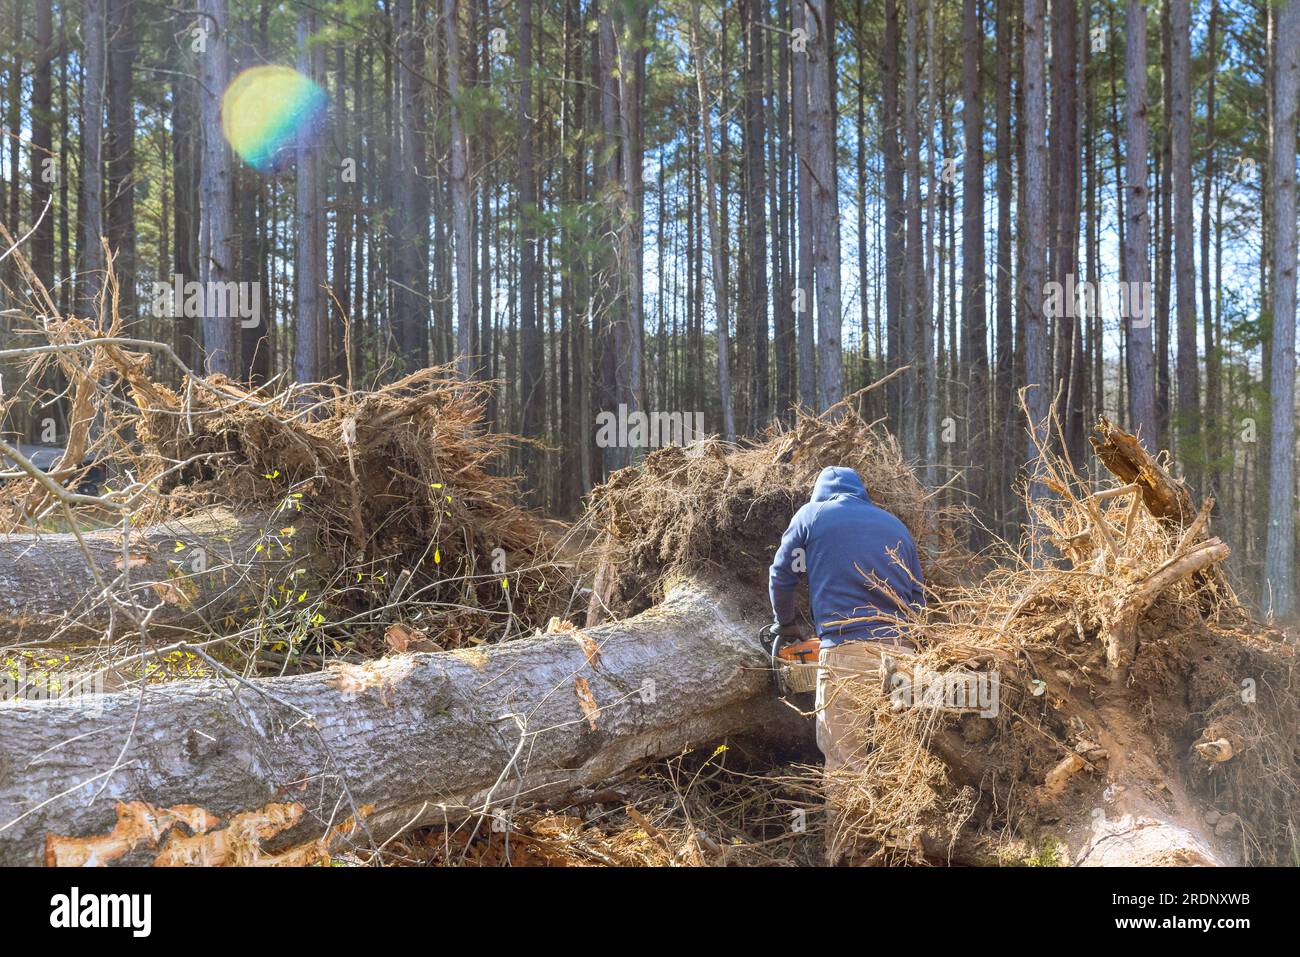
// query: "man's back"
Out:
[860,560]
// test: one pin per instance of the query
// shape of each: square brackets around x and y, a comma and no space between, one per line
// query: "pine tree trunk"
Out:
[895,226]
[533,384]
[755,210]
[1279,566]
[1214,427]
[309,266]
[1034,241]
[826,213]
[460,200]
[716,239]
[1192,438]
[216,252]
[1137,325]
[410,266]
[42,150]
[974,317]
[1006,416]
[913,304]
[804,292]
[1065,203]
[119,148]
[91,211]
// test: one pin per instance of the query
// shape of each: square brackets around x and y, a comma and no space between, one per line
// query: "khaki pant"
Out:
[849,672]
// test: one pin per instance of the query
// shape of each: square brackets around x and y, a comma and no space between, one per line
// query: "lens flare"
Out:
[267,111]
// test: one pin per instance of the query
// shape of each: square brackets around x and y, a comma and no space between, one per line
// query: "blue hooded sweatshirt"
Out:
[846,543]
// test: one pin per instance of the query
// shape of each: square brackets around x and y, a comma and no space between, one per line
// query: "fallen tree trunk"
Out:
[289,770]
[282,770]
[196,569]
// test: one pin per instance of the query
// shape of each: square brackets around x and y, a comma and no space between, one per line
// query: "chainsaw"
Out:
[792,658]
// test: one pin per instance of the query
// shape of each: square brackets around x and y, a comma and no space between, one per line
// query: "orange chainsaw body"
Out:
[801,652]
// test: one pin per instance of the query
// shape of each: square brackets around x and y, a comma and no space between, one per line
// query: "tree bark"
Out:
[281,770]
[803,304]
[932,246]
[1137,324]
[1279,561]
[309,251]
[1213,390]
[410,193]
[1065,204]
[1034,241]
[1005,418]
[974,317]
[755,240]
[459,181]
[197,570]
[216,253]
[913,278]
[533,382]
[826,213]
[894,217]
[716,240]
[119,148]
[1162,242]
[91,213]
[1191,439]
[42,149]
[632,49]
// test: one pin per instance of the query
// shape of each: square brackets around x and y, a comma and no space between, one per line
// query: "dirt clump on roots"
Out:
[1126,676]
[716,510]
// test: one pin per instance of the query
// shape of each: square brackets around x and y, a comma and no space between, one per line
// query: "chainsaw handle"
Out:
[776,629]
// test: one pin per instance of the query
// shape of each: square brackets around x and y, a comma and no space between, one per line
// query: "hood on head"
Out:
[836,480]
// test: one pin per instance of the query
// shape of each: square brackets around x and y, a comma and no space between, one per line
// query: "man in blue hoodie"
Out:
[864,585]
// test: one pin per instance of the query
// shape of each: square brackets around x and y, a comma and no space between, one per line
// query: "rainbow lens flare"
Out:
[267,111]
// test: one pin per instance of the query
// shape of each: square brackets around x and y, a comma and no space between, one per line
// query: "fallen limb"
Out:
[1125,457]
[299,766]
[197,569]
